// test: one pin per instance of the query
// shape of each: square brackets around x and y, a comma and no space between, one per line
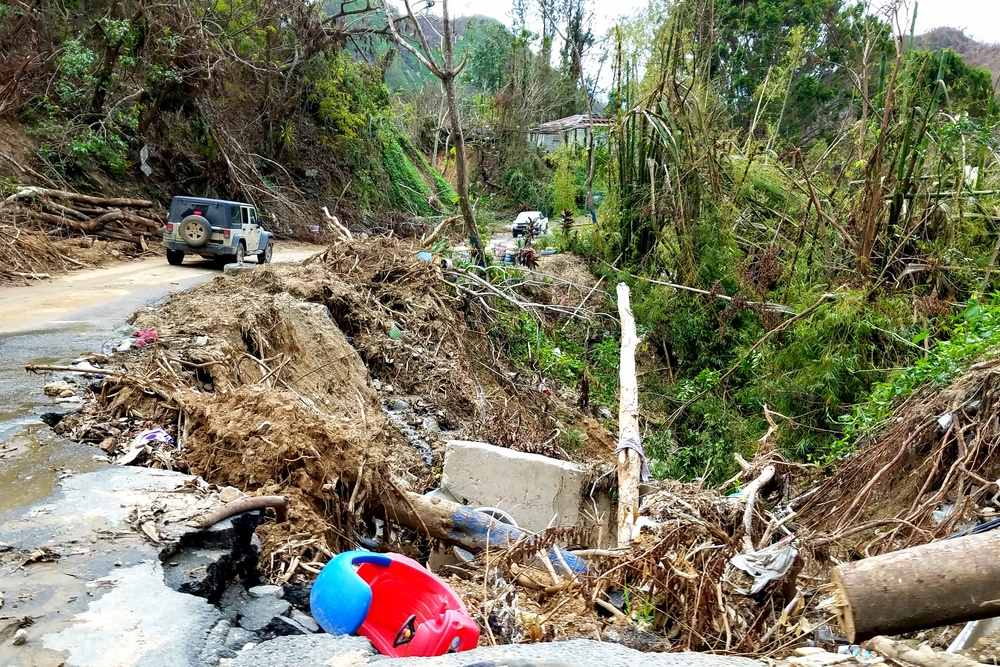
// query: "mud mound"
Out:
[233,333]
[269,442]
[262,391]
[407,329]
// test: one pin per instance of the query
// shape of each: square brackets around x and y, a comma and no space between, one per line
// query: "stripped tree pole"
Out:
[629,460]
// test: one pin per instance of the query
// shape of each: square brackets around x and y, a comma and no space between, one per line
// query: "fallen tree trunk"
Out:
[629,460]
[752,489]
[941,583]
[464,527]
[32,192]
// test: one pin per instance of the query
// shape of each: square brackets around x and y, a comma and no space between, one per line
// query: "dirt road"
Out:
[110,293]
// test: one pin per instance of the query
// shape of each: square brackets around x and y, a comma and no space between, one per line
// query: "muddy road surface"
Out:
[53,322]
[107,295]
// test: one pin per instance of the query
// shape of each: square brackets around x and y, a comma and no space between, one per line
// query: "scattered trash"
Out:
[631,441]
[854,649]
[766,565]
[403,609]
[141,443]
[942,513]
[20,637]
[145,337]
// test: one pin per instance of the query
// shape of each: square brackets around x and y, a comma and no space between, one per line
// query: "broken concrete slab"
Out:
[537,490]
[266,590]
[138,621]
[305,620]
[258,613]
[102,591]
[325,650]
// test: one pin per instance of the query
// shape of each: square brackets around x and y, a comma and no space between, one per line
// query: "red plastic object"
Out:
[414,612]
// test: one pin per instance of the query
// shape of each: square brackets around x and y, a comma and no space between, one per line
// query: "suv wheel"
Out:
[175,257]
[265,256]
[241,253]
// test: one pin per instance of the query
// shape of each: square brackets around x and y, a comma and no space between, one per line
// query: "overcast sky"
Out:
[979,18]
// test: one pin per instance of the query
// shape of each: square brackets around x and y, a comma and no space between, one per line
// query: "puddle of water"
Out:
[32,456]
[32,461]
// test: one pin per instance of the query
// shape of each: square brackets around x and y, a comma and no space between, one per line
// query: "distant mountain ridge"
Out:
[974,53]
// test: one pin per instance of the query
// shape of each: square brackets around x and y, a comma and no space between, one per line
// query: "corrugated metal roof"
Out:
[580,121]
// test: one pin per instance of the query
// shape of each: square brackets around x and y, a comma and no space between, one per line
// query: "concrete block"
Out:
[537,490]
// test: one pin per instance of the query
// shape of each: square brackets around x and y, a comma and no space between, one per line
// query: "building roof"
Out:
[578,122]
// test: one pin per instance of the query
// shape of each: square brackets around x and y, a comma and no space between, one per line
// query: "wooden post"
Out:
[941,583]
[629,461]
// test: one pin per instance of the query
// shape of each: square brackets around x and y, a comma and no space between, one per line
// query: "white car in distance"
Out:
[524,218]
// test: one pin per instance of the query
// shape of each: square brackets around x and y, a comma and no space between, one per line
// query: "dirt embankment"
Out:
[281,381]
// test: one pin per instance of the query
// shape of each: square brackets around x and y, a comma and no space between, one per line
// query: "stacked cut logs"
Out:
[110,218]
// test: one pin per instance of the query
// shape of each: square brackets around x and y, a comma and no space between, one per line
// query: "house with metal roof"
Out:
[572,130]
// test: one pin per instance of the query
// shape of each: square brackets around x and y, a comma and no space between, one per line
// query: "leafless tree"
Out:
[446,72]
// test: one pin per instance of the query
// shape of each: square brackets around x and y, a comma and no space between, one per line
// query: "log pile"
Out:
[110,218]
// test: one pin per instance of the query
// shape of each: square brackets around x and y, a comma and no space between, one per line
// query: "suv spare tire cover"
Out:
[195,230]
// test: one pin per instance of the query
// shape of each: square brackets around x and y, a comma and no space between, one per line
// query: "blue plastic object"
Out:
[340,598]
[472,526]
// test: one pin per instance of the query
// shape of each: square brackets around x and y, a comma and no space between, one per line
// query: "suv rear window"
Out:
[216,214]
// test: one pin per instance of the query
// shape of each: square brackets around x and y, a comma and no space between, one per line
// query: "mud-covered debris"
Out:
[56,389]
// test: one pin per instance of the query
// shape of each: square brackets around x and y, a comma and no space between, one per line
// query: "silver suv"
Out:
[215,228]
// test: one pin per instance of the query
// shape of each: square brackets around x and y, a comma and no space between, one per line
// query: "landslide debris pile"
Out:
[675,588]
[929,475]
[274,381]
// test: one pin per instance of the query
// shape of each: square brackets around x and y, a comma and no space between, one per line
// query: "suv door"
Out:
[251,229]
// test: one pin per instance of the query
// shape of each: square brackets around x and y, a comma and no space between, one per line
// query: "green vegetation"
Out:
[240,99]
[875,229]
[974,333]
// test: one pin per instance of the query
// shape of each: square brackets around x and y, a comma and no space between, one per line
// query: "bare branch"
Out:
[425,60]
